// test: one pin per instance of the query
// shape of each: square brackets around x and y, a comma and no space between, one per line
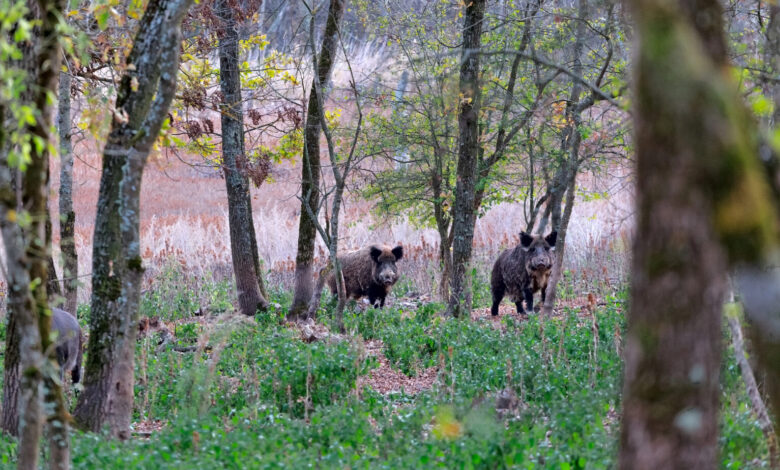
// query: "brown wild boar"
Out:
[70,343]
[521,271]
[369,272]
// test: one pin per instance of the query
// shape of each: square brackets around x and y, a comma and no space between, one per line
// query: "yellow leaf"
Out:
[11,216]
[447,426]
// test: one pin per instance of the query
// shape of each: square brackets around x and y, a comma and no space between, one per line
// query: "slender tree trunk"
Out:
[9,421]
[243,243]
[445,261]
[11,361]
[560,246]
[9,418]
[464,215]
[310,166]
[759,408]
[53,283]
[67,215]
[672,357]
[144,95]
[570,146]
[772,59]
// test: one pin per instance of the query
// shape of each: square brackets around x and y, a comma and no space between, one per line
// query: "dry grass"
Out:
[184,219]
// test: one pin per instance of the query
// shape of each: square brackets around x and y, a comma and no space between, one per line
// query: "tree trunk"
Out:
[464,215]
[28,255]
[9,421]
[144,95]
[772,59]
[759,408]
[445,261]
[53,283]
[560,246]
[70,270]
[672,357]
[310,166]
[570,146]
[243,243]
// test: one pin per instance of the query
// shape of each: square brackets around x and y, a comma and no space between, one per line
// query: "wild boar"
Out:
[370,272]
[70,343]
[523,270]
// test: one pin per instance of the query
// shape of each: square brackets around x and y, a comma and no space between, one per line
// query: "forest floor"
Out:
[405,387]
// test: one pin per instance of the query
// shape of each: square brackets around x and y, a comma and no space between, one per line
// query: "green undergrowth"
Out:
[248,393]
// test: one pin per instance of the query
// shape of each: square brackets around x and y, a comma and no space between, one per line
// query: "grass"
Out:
[253,395]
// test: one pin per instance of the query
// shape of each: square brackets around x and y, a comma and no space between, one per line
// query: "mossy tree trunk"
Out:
[310,165]
[144,95]
[701,201]
[243,242]
[28,256]
[464,215]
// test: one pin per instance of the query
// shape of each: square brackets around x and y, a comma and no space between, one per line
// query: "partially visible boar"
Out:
[369,272]
[523,270]
[70,343]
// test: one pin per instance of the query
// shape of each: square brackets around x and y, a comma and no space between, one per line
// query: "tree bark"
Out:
[53,283]
[672,357]
[310,166]
[9,421]
[28,253]
[243,242]
[144,95]
[464,213]
[70,262]
[560,245]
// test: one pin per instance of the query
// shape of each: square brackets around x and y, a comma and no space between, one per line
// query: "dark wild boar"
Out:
[70,343]
[369,272]
[523,270]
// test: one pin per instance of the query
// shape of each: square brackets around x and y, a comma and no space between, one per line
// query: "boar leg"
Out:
[498,295]
[529,299]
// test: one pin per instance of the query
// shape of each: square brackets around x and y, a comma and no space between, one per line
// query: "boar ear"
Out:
[525,241]
[398,252]
[551,238]
[375,252]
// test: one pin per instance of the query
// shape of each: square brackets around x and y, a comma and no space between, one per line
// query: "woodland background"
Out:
[176,174]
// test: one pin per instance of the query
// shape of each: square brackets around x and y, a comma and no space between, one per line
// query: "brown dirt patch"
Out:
[148,427]
[385,379]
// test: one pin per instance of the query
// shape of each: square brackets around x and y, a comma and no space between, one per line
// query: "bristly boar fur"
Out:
[523,270]
[69,343]
[370,272]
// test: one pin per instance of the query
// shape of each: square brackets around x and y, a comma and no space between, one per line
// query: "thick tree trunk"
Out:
[28,255]
[464,215]
[310,166]
[143,98]
[243,243]
[67,215]
[672,357]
